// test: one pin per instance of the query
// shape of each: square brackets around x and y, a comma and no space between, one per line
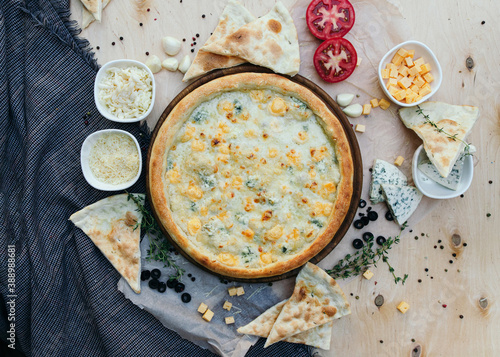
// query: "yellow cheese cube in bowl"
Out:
[423,62]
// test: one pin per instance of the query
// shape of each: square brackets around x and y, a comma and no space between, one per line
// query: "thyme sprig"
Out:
[159,248]
[354,264]
[453,137]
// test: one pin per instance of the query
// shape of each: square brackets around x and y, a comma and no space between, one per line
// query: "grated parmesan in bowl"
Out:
[124,91]
[111,160]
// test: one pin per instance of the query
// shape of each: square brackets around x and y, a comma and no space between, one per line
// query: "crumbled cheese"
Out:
[240,291]
[399,161]
[368,274]
[126,92]
[360,128]
[207,316]
[232,291]
[114,158]
[229,320]
[403,307]
[202,308]
[227,306]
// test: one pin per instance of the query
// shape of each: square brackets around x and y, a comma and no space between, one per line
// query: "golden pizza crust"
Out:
[247,81]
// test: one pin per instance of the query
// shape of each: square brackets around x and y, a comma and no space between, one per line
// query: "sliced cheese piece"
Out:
[453,119]
[453,179]
[401,200]
[384,172]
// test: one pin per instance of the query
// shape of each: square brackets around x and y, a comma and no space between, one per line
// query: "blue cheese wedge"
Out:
[401,200]
[384,173]
[453,179]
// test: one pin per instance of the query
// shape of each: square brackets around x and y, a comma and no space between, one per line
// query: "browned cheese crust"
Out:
[245,81]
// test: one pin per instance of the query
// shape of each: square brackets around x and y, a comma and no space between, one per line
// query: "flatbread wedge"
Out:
[316,300]
[112,224]
[233,17]
[401,200]
[94,7]
[87,17]
[318,337]
[451,120]
[270,41]
[384,172]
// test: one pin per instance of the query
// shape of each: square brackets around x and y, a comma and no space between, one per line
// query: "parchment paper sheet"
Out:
[379,26]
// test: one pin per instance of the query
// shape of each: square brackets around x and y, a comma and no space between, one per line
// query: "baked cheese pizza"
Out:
[251,174]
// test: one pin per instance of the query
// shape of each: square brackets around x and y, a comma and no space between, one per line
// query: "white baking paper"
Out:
[379,26]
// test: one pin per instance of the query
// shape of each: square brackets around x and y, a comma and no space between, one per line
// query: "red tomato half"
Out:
[330,18]
[335,59]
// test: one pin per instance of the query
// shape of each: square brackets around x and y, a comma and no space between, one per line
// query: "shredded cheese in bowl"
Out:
[114,159]
[126,92]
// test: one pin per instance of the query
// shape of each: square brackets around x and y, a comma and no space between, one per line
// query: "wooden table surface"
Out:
[453,306]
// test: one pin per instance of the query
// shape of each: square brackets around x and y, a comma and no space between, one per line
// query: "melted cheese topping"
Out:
[251,177]
[114,158]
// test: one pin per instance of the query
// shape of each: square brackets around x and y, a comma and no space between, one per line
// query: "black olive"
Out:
[357,243]
[162,287]
[388,216]
[380,240]
[171,283]
[367,236]
[186,298]
[362,203]
[155,273]
[153,283]
[145,275]
[365,220]
[179,287]
[372,215]
[358,224]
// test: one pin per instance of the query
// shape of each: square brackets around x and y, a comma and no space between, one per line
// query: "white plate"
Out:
[431,188]
[423,51]
[88,144]
[122,63]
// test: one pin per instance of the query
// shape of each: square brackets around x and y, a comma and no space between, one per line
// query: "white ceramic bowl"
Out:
[423,51]
[87,145]
[434,190]
[122,63]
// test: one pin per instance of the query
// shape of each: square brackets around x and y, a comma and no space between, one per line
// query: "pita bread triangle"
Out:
[270,41]
[316,300]
[233,17]
[87,17]
[94,7]
[457,120]
[318,337]
[110,223]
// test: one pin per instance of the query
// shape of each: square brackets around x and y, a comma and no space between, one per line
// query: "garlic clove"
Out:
[171,45]
[170,64]
[354,110]
[185,64]
[344,99]
[154,63]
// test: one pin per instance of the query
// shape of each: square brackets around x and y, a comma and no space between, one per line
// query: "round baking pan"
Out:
[351,137]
